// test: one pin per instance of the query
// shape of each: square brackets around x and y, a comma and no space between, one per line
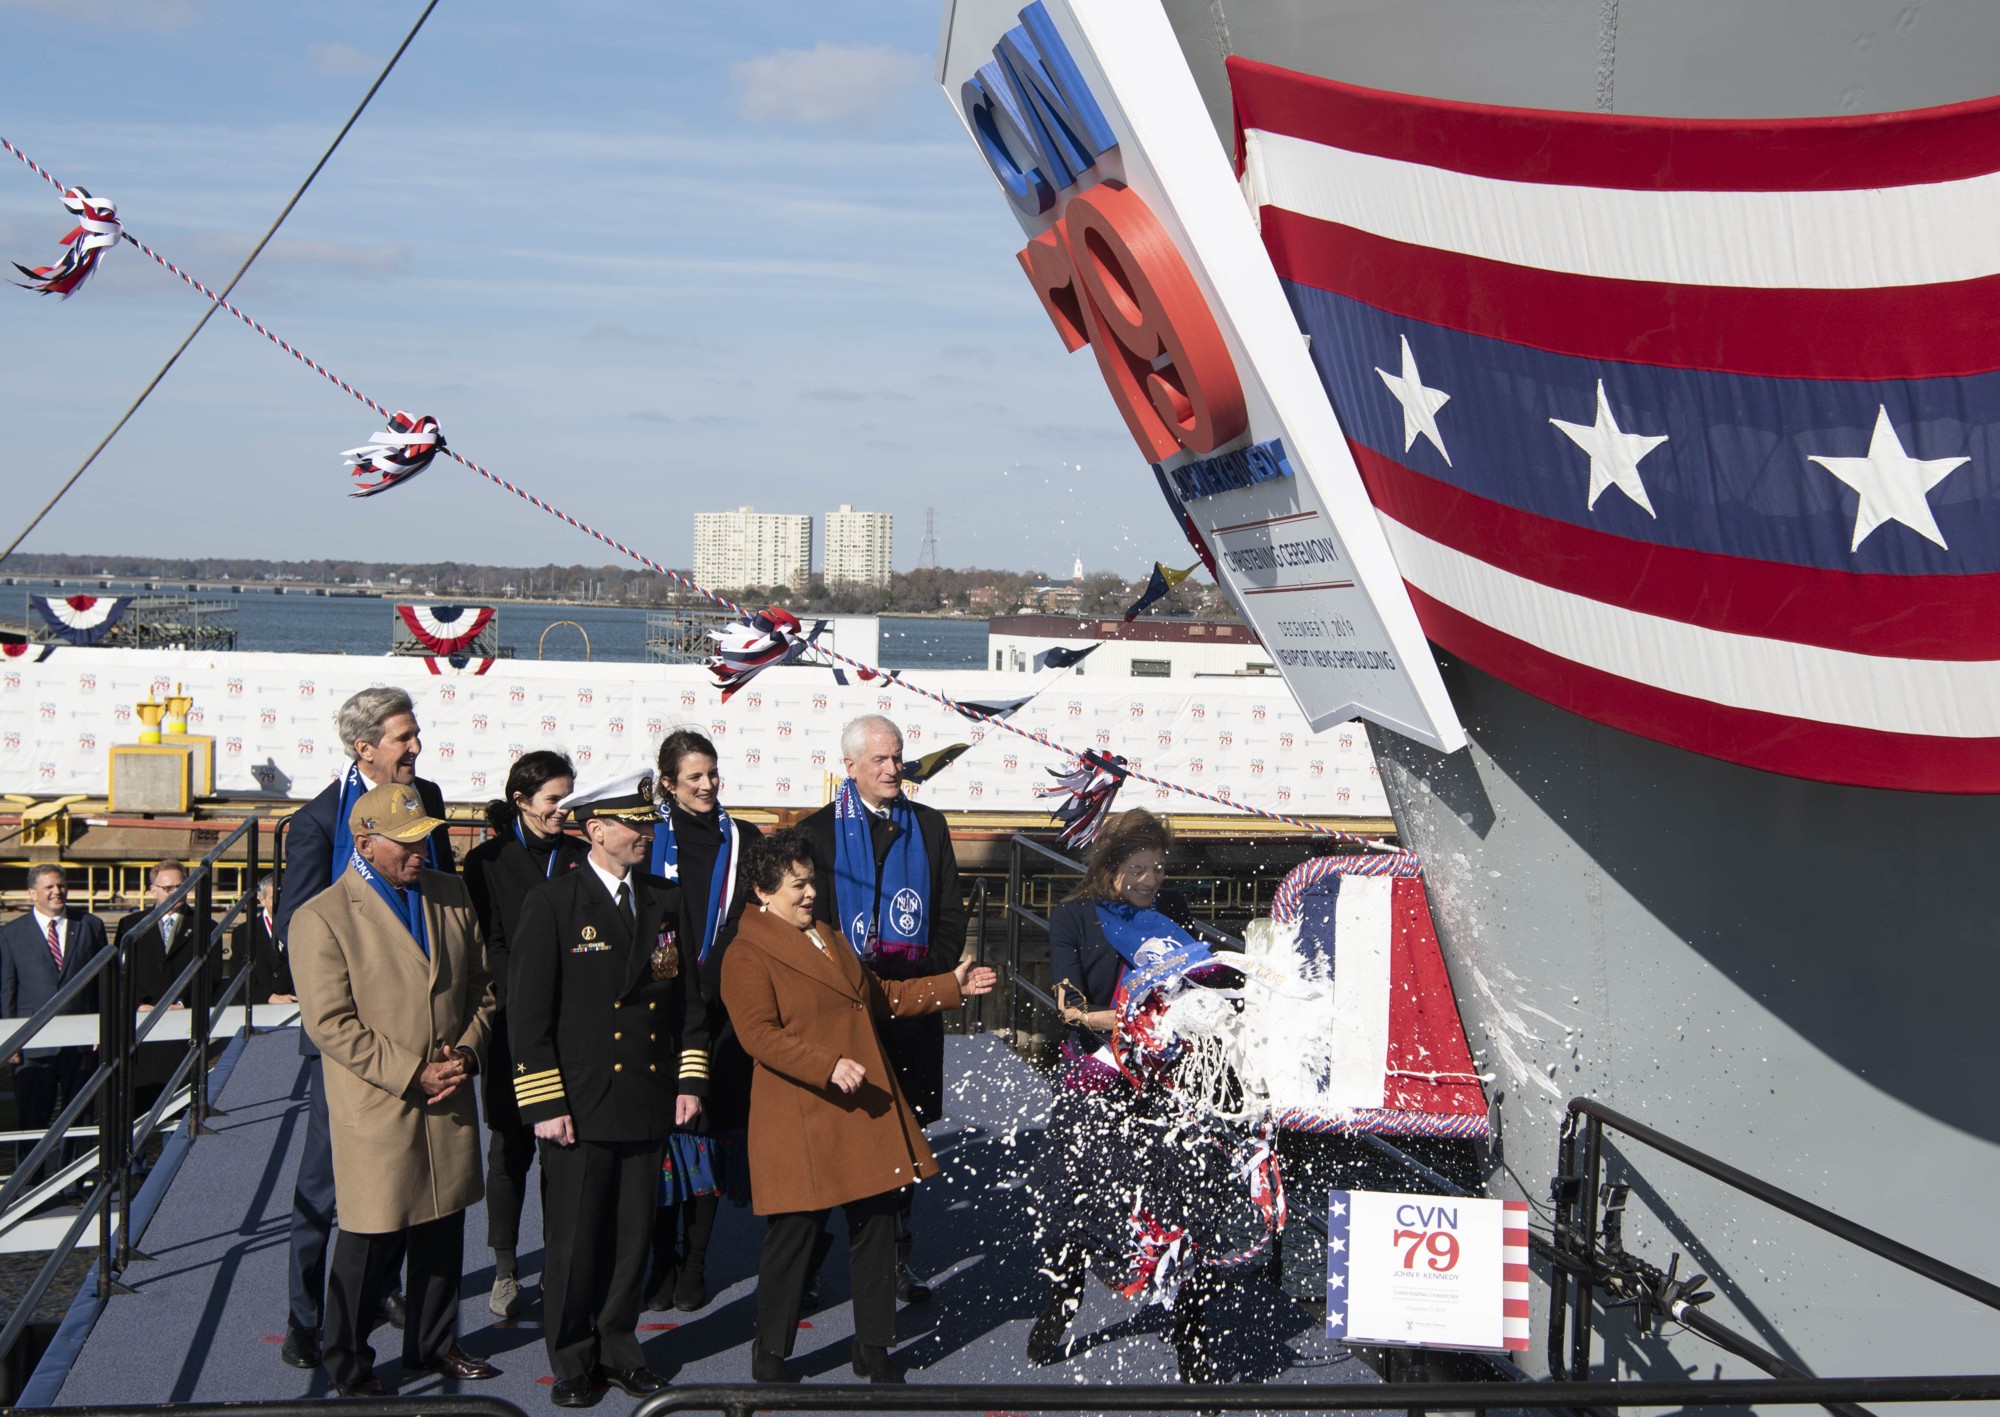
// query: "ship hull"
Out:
[1796,977]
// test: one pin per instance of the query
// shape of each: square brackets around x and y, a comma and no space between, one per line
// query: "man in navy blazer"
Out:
[39,953]
[378,727]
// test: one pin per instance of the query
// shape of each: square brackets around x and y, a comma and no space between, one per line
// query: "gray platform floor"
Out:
[209,1313]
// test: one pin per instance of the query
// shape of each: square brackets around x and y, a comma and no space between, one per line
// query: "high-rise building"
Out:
[857,547]
[751,548]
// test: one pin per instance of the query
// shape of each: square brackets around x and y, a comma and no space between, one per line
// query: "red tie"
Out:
[55,946]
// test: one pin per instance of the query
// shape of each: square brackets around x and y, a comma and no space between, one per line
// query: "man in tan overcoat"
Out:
[393,992]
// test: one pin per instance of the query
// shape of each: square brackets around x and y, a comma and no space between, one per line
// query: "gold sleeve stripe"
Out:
[538,1094]
[694,1054]
[530,1079]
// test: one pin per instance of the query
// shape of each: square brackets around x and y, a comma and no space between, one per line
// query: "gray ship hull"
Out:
[1798,978]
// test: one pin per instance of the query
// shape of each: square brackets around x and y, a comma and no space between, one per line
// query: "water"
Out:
[310,624]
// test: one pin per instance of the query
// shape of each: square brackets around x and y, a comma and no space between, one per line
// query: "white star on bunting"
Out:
[1334,1281]
[1334,1316]
[1420,404]
[1892,484]
[1337,1244]
[1614,454]
[1340,1207]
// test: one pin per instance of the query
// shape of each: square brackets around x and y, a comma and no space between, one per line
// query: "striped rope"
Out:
[1288,900]
[1392,858]
[1386,1121]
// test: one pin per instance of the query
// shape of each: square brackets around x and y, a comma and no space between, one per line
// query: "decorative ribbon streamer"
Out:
[97,231]
[994,709]
[1159,587]
[921,770]
[82,619]
[1088,789]
[1062,656]
[445,629]
[748,647]
[395,456]
[865,675]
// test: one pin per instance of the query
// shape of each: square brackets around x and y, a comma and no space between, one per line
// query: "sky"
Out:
[643,259]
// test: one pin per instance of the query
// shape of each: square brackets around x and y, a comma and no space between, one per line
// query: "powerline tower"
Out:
[927,558]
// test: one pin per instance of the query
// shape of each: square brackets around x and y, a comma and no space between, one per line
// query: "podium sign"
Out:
[1427,1271]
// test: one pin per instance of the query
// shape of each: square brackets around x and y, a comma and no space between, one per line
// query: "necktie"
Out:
[625,902]
[167,924]
[55,945]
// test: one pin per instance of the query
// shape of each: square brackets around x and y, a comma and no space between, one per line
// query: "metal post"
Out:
[121,1089]
[979,893]
[204,911]
[1593,1160]
[110,1159]
[249,930]
[1013,938]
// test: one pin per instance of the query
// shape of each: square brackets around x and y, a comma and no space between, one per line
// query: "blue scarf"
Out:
[1128,930]
[352,787]
[407,904]
[721,880]
[892,940]
[521,835]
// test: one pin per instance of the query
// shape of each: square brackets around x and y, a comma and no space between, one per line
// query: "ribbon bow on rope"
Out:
[1089,788]
[395,456]
[746,648]
[97,231]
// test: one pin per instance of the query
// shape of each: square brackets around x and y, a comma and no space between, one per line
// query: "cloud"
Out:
[649,415]
[614,333]
[969,353]
[333,57]
[122,14]
[837,393]
[827,86]
[1065,432]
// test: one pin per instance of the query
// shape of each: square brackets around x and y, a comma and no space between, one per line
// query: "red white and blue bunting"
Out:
[1087,791]
[445,629]
[82,619]
[456,664]
[97,230]
[17,647]
[396,455]
[746,648]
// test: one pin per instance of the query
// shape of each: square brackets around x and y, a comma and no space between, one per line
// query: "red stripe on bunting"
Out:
[1425,1034]
[1823,752]
[1900,332]
[1901,617]
[1608,150]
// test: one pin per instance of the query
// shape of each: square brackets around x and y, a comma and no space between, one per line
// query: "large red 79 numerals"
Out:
[1109,277]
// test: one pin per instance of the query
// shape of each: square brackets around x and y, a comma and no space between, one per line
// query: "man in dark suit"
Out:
[39,953]
[608,1029]
[156,956]
[259,951]
[887,878]
[378,727]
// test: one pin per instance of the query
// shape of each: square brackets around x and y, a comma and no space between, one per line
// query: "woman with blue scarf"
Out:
[527,848]
[703,849]
[1102,1155]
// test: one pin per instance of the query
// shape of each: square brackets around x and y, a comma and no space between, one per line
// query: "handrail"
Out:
[740,1400]
[1876,1243]
[1039,849]
[431,1404]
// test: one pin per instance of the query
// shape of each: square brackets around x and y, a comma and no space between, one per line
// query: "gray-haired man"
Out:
[378,728]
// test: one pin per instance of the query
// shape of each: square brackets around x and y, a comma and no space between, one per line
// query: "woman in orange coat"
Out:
[829,1126]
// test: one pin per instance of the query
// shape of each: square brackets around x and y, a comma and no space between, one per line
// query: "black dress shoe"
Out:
[393,1310]
[768,1367]
[691,1289]
[809,1296]
[455,1362]
[573,1392]
[301,1348]
[910,1289]
[370,1386]
[634,1382]
[873,1364]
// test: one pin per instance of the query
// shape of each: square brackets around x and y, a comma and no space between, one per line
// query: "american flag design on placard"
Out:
[1514,1281]
[1337,1220]
[1691,427]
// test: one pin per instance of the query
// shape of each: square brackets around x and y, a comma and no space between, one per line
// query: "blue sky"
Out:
[644,259]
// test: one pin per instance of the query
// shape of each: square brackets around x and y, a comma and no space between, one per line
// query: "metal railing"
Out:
[434,1404]
[111,1086]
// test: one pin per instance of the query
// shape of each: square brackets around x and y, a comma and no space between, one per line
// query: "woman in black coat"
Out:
[527,848]
[706,850]
[1103,1142]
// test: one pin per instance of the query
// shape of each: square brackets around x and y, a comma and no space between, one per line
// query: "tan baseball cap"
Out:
[394,811]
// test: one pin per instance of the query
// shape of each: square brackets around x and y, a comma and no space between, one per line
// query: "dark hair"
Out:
[1119,840]
[771,857]
[530,774]
[675,746]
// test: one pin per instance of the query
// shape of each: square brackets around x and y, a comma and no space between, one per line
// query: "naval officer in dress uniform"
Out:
[609,1035]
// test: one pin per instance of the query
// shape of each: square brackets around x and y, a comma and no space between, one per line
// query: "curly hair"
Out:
[1120,839]
[772,857]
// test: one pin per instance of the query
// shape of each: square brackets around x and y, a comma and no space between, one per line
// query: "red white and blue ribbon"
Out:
[82,619]
[1087,791]
[454,664]
[396,455]
[97,230]
[445,629]
[746,648]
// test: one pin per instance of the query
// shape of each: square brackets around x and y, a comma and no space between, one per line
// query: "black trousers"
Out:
[313,1209]
[510,1151]
[598,1200]
[871,1263]
[364,1269]
[42,1087]
[906,1240]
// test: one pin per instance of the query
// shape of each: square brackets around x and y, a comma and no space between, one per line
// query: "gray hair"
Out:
[267,884]
[41,869]
[854,738]
[362,717]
